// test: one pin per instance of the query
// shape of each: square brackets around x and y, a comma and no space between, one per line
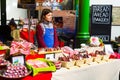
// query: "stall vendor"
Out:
[46,31]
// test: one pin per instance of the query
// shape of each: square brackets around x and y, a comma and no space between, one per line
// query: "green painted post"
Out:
[76,6]
[82,34]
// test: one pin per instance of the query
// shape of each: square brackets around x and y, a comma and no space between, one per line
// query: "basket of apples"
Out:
[67,61]
[14,71]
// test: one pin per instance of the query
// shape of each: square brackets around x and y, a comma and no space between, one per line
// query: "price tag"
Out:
[50,56]
[108,49]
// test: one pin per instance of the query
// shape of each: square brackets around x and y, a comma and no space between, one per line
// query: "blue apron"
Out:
[49,37]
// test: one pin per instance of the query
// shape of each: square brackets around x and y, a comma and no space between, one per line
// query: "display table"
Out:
[40,76]
[103,71]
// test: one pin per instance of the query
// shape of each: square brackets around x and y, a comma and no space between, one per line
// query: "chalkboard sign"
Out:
[101,17]
[101,14]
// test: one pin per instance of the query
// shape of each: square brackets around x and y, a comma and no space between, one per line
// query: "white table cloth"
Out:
[103,71]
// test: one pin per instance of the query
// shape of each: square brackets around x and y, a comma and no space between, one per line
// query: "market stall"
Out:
[22,60]
[25,61]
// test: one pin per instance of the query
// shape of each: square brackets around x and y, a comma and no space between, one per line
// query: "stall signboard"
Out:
[101,22]
[39,1]
[26,4]
[27,1]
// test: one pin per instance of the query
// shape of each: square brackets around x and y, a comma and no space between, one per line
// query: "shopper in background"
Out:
[15,33]
[5,35]
[46,32]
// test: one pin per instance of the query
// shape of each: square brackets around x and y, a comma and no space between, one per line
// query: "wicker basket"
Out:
[98,58]
[67,64]
[106,57]
[80,62]
[89,60]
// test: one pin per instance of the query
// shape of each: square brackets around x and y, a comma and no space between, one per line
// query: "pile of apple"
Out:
[52,49]
[15,71]
[48,49]
[100,52]
[73,57]
[64,58]
[97,53]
